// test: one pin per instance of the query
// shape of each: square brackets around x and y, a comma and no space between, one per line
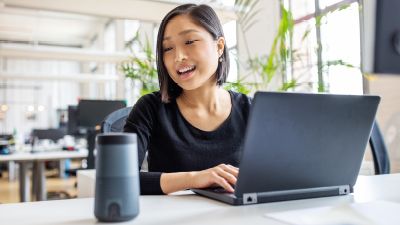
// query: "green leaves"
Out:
[141,66]
[283,56]
[286,86]
[246,13]
[237,86]
[280,53]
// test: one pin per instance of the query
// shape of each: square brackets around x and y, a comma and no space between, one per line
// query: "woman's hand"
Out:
[222,175]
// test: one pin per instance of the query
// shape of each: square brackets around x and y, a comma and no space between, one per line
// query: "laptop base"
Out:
[274,196]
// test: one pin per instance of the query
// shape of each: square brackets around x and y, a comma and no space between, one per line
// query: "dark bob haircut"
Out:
[204,16]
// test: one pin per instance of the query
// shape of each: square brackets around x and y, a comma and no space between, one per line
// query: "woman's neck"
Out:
[203,98]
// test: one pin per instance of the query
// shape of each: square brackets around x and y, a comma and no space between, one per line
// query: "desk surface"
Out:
[45,155]
[187,208]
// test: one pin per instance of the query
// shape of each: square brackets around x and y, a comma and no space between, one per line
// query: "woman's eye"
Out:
[189,42]
[167,49]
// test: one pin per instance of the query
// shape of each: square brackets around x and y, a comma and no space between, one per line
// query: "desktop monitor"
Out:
[91,113]
[380,36]
[72,124]
[51,134]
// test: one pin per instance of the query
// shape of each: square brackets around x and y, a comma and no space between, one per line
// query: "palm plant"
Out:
[282,56]
[142,65]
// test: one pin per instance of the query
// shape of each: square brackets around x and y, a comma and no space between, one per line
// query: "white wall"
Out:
[260,37]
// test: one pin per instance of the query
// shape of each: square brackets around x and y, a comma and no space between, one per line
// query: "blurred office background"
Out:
[55,53]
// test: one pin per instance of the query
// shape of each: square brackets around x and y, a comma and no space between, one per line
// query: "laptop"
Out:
[301,146]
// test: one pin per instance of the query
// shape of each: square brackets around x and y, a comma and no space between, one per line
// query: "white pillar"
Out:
[97,89]
[120,45]
[146,29]
[257,40]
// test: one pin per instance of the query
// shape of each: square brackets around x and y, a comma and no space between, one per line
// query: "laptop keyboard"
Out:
[219,190]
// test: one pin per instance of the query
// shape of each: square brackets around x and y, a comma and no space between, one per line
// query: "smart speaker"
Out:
[117,178]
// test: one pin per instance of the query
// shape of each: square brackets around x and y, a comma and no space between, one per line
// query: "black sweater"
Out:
[174,145]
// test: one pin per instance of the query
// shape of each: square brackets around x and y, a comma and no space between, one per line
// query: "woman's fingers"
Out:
[226,176]
[233,167]
[230,169]
[223,183]
[222,175]
[231,178]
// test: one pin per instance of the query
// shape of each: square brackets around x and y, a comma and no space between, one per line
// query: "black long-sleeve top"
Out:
[174,145]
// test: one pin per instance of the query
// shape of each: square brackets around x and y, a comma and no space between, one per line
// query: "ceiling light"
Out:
[31,108]
[40,108]
[4,107]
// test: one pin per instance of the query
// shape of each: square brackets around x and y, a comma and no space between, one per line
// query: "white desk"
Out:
[189,209]
[38,158]
[86,183]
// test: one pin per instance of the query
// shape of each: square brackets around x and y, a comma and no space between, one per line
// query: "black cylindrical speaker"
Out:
[117,178]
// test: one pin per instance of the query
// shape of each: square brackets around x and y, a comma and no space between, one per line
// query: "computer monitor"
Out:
[91,113]
[380,36]
[51,134]
[72,123]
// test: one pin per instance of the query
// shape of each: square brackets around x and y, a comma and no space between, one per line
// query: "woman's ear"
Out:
[220,46]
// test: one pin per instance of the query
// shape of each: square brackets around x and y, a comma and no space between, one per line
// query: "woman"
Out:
[192,128]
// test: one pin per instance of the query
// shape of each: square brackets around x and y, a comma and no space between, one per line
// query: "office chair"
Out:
[115,122]
[379,151]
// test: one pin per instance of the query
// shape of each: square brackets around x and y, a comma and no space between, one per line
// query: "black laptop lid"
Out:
[297,141]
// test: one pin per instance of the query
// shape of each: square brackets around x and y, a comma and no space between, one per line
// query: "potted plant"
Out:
[282,56]
[141,65]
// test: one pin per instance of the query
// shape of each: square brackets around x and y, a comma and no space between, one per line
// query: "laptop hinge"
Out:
[339,190]
[249,198]
[344,190]
[252,198]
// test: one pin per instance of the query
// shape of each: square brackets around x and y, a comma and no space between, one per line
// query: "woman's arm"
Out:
[222,175]
[141,121]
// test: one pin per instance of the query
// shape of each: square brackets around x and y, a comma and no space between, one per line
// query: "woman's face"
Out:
[190,53]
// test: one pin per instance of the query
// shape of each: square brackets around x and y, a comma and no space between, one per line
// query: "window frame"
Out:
[319,39]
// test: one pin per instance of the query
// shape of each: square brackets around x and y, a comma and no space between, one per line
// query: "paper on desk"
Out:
[370,213]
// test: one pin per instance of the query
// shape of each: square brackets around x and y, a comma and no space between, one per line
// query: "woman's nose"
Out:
[180,55]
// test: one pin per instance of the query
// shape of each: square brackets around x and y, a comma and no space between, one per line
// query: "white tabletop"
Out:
[45,155]
[187,208]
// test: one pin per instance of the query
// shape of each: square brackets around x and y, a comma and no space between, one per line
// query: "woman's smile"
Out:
[185,72]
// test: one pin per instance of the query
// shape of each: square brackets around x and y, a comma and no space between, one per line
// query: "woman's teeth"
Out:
[186,70]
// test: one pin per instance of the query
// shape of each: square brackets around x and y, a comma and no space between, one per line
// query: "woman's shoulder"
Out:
[240,98]
[149,100]
[146,107]
[148,103]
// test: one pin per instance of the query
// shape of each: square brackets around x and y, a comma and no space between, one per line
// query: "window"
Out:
[339,35]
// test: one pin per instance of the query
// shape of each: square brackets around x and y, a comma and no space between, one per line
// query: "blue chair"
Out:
[115,121]
[379,151]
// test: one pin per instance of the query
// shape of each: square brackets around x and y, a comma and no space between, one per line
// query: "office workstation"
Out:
[371,193]
[308,135]
[82,122]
